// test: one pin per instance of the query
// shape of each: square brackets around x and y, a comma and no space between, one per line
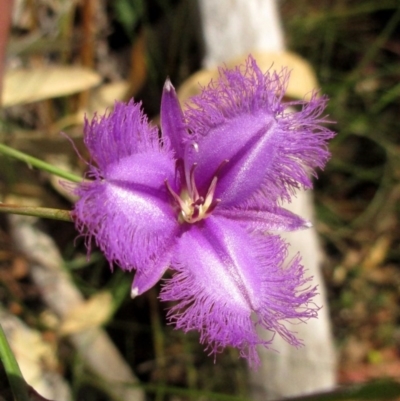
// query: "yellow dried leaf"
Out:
[23,86]
[93,313]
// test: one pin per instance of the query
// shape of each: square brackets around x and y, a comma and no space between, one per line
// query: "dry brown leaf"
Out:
[23,86]
[302,78]
[93,313]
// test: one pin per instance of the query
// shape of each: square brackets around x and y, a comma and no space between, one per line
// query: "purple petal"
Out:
[271,149]
[172,119]
[265,218]
[244,142]
[125,131]
[126,208]
[132,223]
[224,276]
[149,169]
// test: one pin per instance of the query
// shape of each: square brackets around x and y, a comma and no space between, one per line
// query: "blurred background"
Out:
[65,59]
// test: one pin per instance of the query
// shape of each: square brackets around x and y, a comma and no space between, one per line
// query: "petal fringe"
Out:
[228,282]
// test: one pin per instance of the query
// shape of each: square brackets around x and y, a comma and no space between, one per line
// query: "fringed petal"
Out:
[123,132]
[203,202]
[271,149]
[228,282]
[126,207]
[249,146]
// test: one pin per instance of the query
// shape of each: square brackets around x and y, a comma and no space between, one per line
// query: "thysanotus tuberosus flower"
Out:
[203,199]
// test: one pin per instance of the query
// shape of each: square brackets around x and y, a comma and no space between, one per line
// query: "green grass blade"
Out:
[40,164]
[17,383]
[44,212]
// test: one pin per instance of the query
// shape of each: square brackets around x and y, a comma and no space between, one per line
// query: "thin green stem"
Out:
[40,164]
[45,212]
[18,385]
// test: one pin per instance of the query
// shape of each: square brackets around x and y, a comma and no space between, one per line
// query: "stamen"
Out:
[196,213]
[180,168]
[192,183]
[210,192]
[213,205]
[198,202]
[188,148]
[180,202]
[192,207]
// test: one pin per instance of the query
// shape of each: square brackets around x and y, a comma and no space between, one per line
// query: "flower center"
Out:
[190,205]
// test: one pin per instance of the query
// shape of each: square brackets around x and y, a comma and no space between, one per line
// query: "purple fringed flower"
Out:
[204,201]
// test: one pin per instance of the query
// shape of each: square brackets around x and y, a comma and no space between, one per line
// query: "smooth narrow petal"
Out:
[228,282]
[172,119]
[147,278]
[264,218]
[128,212]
